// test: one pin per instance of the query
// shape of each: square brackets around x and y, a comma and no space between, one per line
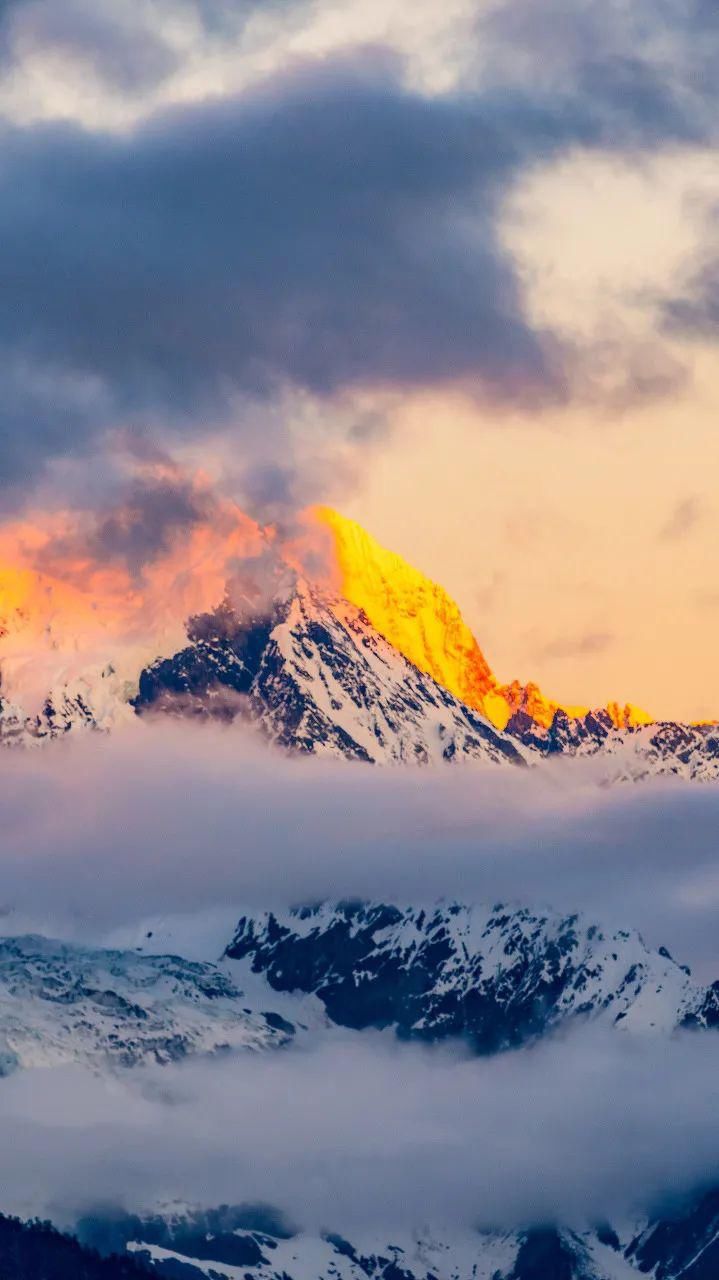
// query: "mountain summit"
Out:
[329,644]
[420,619]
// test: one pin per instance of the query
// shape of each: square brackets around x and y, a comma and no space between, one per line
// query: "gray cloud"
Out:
[655,60]
[136,530]
[114,42]
[326,230]
[693,310]
[682,521]
[123,43]
[357,1133]
[150,822]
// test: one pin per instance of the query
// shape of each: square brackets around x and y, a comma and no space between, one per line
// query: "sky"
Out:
[452,268]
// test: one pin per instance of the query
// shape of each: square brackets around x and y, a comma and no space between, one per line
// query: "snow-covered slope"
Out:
[62,1003]
[317,678]
[255,1242]
[664,748]
[365,658]
[99,699]
[497,977]
[539,1254]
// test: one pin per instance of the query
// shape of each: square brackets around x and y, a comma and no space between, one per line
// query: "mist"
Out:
[161,820]
[347,1131]
[358,1132]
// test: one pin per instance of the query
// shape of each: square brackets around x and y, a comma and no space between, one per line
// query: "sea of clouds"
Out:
[355,1131]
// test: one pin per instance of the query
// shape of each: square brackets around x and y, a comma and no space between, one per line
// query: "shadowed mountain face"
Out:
[382,670]
[255,1242]
[318,678]
[35,1251]
[498,978]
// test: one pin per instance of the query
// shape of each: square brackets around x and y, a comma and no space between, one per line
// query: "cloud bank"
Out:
[360,1134]
[328,231]
[104,833]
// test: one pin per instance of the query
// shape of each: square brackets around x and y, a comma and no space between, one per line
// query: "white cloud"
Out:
[172,818]
[358,1132]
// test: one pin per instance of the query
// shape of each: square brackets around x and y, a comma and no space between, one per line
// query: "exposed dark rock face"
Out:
[318,679]
[498,978]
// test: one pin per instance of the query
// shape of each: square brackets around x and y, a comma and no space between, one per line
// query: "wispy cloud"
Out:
[683,520]
[585,645]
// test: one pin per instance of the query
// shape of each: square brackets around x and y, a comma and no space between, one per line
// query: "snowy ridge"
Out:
[256,1243]
[62,1003]
[317,678]
[664,748]
[461,1256]
[498,977]
[97,701]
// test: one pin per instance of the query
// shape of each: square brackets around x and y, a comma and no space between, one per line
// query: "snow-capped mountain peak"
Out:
[497,977]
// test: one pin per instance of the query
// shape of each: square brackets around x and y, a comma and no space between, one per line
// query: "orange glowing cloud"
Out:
[71,598]
[82,588]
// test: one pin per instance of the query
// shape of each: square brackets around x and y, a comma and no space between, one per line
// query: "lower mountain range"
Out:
[495,979]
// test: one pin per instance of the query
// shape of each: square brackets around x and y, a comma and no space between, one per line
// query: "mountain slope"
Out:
[420,619]
[255,1242]
[61,1003]
[320,675]
[318,678]
[497,977]
[384,670]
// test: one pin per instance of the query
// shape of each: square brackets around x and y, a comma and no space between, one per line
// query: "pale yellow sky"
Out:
[580,543]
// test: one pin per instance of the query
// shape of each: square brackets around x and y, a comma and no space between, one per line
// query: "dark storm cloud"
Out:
[326,230]
[319,231]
